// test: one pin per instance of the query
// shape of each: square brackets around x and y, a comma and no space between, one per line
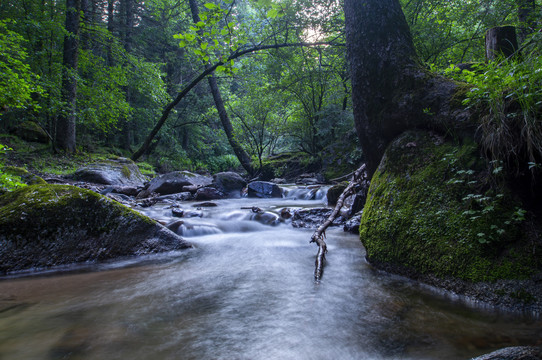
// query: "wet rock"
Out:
[192,213]
[286,213]
[205,204]
[352,225]
[310,179]
[334,192]
[183,196]
[208,193]
[114,172]
[177,212]
[174,182]
[124,190]
[123,199]
[264,189]
[31,131]
[266,218]
[279,181]
[312,218]
[48,225]
[229,183]
[514,353]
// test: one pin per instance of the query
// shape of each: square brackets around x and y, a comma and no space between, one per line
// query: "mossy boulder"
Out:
[119,171]
[47,225]
[431,213]
[31,131]
[26,177]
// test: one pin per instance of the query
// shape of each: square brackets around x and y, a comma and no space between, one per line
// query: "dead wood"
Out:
[320,233]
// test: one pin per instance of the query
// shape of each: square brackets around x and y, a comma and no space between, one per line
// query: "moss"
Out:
[27,177]
[418,216]
[46,225]
[126,172]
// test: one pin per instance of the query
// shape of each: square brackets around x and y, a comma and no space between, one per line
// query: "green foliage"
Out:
[17,81]
[508,95]
[8,181]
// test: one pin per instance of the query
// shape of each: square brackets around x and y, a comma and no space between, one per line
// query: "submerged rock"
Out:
[47,225]
[208,193]
[113,172]
[264,189]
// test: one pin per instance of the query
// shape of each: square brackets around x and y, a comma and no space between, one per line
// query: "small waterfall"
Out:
[313,192]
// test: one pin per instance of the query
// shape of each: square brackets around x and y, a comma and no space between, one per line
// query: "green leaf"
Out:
[200,24]
[224,32]
[203,45]
[210,6]
[272,13]
[182,43]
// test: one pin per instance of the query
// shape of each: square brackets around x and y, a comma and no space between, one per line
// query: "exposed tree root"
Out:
[320,234]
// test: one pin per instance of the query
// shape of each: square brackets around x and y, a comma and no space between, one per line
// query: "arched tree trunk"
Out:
[391,91]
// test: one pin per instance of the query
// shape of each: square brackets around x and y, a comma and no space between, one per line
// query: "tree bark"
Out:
[241,154]
[501,41]
[391,91]
[526,17]
[65,127]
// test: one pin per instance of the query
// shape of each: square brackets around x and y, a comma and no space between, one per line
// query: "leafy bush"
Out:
[508,95]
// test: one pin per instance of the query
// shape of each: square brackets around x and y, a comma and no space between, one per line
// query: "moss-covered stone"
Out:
[27,177]
[430,211]
[48,225]
[31,131]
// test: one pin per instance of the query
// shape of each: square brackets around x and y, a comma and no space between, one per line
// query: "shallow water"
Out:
[245,291]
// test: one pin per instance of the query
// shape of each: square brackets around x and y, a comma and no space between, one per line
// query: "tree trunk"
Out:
[241,154]
[65,128]
[391,91]
[501,41]
[526,17]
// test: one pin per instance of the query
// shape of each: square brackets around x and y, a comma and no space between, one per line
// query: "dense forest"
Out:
[98,75]
[163,163]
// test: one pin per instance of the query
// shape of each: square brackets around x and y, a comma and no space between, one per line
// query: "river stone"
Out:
[31,131]
[174,182]
[229,183]
[208,193]
[113,172]
[312,218]
[514,353]
[48,225]
[334,192]
[264,189]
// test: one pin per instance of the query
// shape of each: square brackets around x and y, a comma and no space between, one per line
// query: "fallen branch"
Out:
[320,233]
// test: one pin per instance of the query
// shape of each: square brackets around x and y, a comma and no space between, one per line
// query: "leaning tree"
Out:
[391,90]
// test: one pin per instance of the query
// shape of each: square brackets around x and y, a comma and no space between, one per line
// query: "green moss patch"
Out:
[48,225]
[431,211]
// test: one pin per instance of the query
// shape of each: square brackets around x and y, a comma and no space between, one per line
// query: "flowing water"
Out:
[245,291]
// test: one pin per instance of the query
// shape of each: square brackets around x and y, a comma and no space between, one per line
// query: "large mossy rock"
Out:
[31,131]
[431,214]
[120,171]
[48,225]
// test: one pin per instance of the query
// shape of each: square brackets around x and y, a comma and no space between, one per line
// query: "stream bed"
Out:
[245,291]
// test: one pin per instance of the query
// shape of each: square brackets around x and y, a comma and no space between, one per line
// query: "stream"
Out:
[245,291]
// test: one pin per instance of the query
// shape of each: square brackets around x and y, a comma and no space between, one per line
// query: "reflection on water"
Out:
[244,292]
